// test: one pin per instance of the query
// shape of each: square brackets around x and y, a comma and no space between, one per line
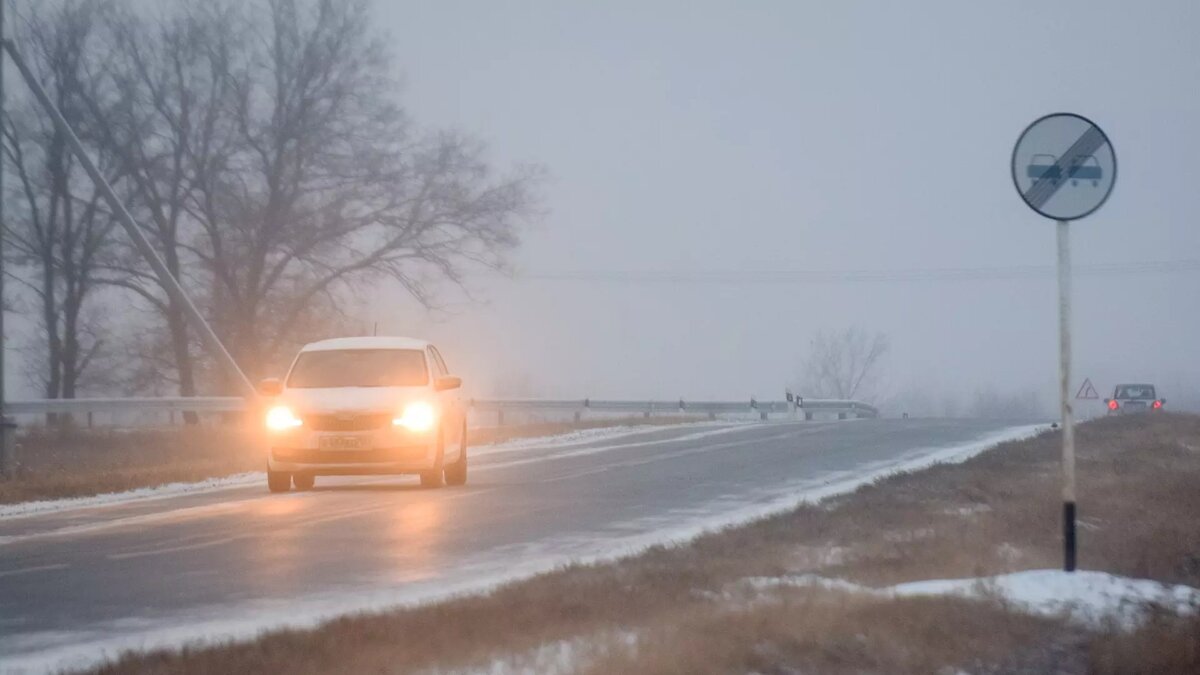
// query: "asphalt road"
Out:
[81,583]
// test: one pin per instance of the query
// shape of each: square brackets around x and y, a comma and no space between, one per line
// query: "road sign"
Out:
[1087,391]
[1064,166]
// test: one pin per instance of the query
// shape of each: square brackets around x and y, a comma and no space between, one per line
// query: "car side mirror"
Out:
[272,386]
[447,382]
[1162,401]
[1107,401]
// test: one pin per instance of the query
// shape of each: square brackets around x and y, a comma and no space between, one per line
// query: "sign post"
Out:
[1064,168]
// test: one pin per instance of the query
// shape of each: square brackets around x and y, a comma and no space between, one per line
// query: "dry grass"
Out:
[78,462]
[672,610]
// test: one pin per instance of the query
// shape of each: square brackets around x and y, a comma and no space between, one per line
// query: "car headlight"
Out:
[417,416]
[281,418]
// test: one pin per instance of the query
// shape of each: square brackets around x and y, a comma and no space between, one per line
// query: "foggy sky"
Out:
[693,137]
[689,136]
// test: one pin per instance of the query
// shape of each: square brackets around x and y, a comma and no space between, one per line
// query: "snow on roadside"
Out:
[139,494]
[1090,598]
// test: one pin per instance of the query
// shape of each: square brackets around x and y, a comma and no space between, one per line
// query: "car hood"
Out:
[347,399]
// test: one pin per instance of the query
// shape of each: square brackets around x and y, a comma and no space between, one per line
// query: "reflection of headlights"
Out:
[417,416]
[280,418]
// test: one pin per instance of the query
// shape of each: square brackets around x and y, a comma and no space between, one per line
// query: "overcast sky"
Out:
[708,143]
[736,137]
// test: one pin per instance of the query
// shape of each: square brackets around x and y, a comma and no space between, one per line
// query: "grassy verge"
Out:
[83,462]
[678,609]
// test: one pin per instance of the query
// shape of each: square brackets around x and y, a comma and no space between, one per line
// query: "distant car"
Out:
[365,405]
[1134,398]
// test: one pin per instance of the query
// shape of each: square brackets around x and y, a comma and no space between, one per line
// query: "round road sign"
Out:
[1064,166]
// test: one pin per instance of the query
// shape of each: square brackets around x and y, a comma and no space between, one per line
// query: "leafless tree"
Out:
[261,147]
[168,122]
[330,185]
[56,229]
[274,164]
[844,364]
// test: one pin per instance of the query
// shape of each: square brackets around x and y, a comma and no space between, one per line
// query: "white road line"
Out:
[609,448]
[667,456]
[29,570]
[172,549]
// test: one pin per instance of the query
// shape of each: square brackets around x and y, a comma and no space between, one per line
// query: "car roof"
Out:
[1135,384]
[365,343]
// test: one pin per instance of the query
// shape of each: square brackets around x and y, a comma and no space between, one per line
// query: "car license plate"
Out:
[342,442]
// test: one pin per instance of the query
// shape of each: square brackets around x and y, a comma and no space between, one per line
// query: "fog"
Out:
[688,139]
[704,156]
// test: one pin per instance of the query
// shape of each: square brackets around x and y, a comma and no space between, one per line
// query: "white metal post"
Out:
[1064,376]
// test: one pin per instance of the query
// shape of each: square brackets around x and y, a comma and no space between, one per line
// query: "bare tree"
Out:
[330,185]
[169,123]
[57,230]
[844,364]
[263,152]
[276,173]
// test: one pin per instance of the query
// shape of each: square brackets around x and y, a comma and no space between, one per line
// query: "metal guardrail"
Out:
[217,404]
[126,405]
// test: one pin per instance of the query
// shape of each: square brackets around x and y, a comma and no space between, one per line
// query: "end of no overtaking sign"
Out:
[1064,166]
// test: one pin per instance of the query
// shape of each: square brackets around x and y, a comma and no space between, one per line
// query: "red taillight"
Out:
[1113,405]
[1157,405]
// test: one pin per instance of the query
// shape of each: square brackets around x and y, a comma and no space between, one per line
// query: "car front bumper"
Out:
[385,451]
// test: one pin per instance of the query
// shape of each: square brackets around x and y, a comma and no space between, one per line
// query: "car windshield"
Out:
[1135,391]
[359,368]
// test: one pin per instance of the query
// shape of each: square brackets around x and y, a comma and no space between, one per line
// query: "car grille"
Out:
[378,455]
[347,421]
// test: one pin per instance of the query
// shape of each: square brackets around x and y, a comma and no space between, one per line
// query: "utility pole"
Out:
[8,457]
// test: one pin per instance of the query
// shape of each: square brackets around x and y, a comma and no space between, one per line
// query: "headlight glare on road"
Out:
[281,418]
[417,416]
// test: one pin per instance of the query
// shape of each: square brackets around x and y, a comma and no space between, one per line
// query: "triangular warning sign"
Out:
[1087,391]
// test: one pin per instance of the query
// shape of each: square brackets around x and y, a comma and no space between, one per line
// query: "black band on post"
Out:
[1069,536]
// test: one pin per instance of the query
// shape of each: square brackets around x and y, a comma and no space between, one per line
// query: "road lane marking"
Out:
[667,456]
[172,549]
[583,452]
[29,570]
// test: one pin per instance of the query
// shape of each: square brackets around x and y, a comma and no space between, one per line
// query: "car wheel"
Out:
[304,481]
[279,481]
[433,477]
[456,473]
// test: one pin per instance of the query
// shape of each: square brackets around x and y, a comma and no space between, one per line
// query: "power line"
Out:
[741,277]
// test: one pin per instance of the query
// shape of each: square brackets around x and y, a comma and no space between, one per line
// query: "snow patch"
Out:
[1090,598]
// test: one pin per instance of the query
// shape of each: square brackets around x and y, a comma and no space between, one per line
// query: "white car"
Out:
[365,405]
